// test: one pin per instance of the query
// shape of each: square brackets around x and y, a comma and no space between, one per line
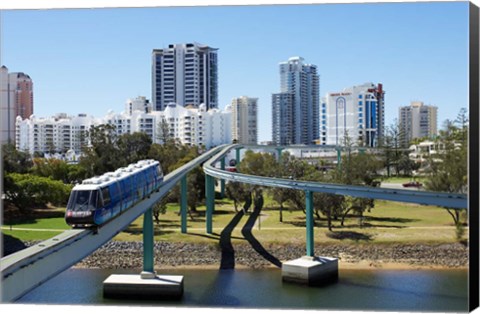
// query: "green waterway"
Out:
[370,290]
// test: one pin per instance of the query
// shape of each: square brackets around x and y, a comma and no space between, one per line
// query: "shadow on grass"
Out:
[391,219]
[257,246]
[166,224]
[367,225]
[213,236]
[349,235]
[228,253]
[302,223]
[202,213]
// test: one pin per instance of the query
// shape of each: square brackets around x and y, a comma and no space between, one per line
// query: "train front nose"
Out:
[79,217]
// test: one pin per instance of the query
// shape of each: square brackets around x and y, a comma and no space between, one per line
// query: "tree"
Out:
[358,206]
[195,188]
[449,167]
[14,160]
[357,169]
[26,191]
[133,147]
[237,192]
[159,208]
[290,168]
[51,168]
[172,154]
[394,144]
[103,154]
[163,134]
[281,196]
[259,164]
[328,204]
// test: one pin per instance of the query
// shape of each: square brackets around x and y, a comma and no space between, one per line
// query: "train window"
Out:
[93,200]
[106,196]
[83,200]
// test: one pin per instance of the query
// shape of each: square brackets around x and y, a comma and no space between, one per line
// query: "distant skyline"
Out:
[92,60]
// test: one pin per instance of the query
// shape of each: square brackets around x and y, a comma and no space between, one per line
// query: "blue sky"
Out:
[92,60]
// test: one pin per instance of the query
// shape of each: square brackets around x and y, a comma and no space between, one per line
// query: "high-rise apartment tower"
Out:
[418,121]
[295,110]
[16,99]
[244,120]
[186,74]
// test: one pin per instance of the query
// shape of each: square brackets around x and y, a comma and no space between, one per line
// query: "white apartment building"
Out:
[140,103]
[61,133]
[56,134]
[418,121]
[357,111]
[198,126]
[185,74]
[244,120]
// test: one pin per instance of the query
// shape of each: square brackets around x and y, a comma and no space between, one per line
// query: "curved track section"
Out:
[29,268]
[418,197]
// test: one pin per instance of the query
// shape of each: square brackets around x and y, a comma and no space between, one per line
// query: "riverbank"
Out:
[117,254]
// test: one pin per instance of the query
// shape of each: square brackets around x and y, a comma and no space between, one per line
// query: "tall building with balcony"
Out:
[356,113]
[16,99]
[244,120]
[185,74]
[282,124]
[295,110]
[418,121]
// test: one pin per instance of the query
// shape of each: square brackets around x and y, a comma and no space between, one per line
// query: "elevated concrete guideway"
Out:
[311,269]
[27,269]
[399,195]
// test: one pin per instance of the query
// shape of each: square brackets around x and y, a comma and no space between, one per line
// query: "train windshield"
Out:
[85,200]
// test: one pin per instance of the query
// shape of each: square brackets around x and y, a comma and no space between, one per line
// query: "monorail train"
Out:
[97,200]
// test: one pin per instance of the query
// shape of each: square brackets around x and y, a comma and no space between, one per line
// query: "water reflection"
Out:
[381,290]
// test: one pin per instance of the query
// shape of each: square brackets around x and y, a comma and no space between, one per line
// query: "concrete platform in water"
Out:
[144,287]
[311,270]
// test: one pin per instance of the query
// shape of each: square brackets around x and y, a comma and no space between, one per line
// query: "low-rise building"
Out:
[62,133]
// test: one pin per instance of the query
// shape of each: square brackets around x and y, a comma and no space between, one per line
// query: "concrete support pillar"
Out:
[210,202]
[148,256]
[237,155]
[310,223]
[310,269]
[183,203]
[279,153]
[339,157]
[148,285]
[222,181]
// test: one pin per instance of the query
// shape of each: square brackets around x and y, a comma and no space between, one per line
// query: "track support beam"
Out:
[210,200]
[183,203]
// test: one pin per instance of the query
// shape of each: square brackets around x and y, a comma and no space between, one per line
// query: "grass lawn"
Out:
[403,179]
[388,222]
[41,225]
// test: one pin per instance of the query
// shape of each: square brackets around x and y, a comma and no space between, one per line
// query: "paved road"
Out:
[398,186]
